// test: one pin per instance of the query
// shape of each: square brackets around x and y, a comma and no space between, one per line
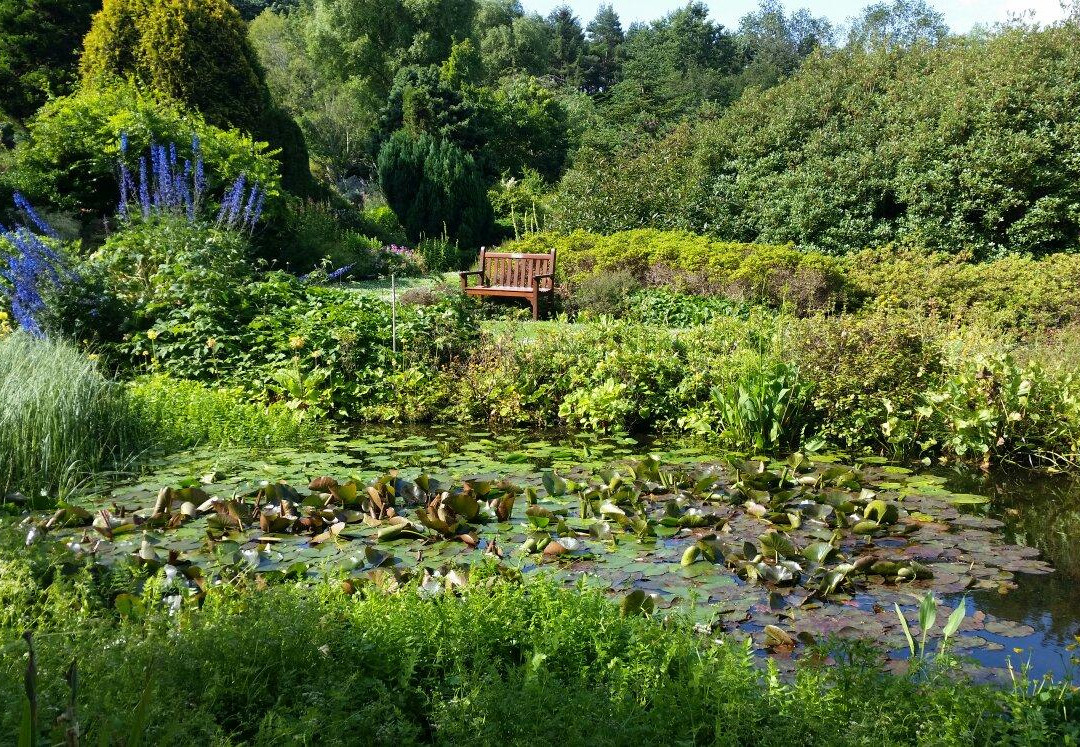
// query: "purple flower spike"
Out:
[144,188]
[39,223]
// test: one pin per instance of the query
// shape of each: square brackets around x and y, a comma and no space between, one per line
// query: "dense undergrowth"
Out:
[499,661]
[872,354]
[62,420]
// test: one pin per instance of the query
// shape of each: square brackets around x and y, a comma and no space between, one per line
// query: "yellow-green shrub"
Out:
[771,274]
[1014,292]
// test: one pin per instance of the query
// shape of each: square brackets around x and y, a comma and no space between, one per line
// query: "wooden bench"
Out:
[507,275]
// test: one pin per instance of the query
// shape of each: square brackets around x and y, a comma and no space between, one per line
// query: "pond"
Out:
[784,552]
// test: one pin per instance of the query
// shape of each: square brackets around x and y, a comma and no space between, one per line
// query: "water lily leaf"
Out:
[553,484]
[777,638]
[881,512]
[464,504]
[818,552]
[690,555]
[434,522]
[636,602]
[966,499]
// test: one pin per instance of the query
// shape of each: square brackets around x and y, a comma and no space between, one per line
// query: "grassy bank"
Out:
[62,420]
[497,662]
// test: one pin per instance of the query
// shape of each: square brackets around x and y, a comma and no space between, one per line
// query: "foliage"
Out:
[861,368]
[1014,292]
[70,156]
[178,414]
[863,147]
[313,233]
[666,308]
[603,294]
[497,646]
[60,419]
[435,189]
[197,54]
[39,45]
[776,275]
[520,205]
[440,255]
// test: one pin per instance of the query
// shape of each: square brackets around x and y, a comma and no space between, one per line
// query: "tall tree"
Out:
[567,46]
[901,23]
[603,59]
[776,42]
[673,66]
[40,41]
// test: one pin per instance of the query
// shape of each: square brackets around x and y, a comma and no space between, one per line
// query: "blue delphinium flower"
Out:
[339,273]
[231,205]
[167,187]
[144,188]
[28,210]
[30,264]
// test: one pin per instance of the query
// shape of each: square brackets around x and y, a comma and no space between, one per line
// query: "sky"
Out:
[961,15]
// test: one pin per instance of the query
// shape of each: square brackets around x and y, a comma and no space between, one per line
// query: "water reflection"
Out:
[1041,511]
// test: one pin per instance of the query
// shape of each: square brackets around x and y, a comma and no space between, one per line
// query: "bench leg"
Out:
[536,307]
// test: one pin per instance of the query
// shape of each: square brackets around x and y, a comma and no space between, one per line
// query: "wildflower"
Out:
[339,273]
[152,334]
[296,342]
[26,269]
[94,357]
[22,204]
[211,343]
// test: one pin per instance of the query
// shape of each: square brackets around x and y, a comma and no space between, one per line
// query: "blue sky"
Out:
[961,15]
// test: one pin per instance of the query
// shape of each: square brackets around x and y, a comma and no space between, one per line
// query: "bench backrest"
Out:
[515,270]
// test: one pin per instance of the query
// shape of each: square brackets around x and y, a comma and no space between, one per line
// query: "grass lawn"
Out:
[381,289]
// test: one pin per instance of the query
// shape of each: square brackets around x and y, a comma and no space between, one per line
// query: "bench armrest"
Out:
[537,278]
[465,277]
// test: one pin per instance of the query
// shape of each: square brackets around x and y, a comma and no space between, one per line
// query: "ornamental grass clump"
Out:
[60,418]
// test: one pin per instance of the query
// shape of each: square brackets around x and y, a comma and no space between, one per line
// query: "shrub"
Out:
[435,188]
[1015,293]
[60,419]
[165,264]
[313,233]
[71,155]
[196,53]
[777,275]
[950,146]
[609,375]
[183,414]
[862,369]
[381,223]
[605,294]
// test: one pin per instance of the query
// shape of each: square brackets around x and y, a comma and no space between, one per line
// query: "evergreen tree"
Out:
[197,53]
[434,187]
[40,42]
[603,60]
[567,46]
